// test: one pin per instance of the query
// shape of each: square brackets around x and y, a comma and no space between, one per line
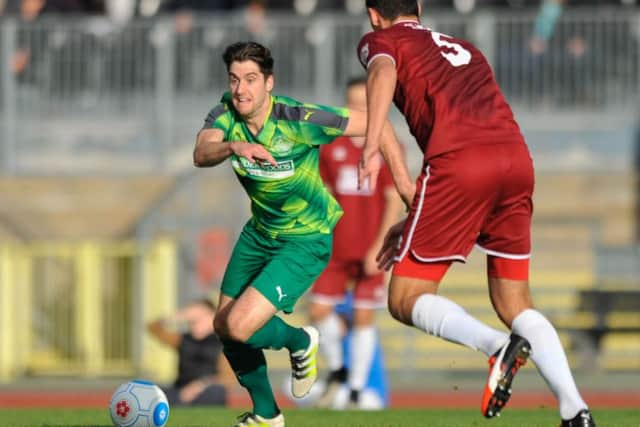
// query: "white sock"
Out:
[548,355]
[363,343]
[331,332]
[444,318]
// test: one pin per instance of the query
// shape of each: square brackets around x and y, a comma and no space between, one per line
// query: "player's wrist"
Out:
[233,145]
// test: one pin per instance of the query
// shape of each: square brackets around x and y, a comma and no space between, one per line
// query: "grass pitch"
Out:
[188,417]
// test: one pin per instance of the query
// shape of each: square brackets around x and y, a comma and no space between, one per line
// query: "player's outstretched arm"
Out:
[212,150]
[396,160]
[370,162]
[381,85]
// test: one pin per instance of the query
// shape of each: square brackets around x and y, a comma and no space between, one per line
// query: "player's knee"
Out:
[237,334]
[397,310]
[317,312]
[220,327]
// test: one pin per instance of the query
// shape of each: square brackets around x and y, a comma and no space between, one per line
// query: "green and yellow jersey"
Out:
[288,200]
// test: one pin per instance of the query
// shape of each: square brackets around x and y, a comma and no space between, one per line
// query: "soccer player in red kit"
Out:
[475,189]
[358,237]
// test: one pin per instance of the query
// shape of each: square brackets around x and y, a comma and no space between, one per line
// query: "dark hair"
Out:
[391,9]
[249,51]
[356,81]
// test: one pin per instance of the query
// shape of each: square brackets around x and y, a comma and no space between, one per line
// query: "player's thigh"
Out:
[248,258]
[454,195]
[292,270]
[507,231]
[225,303]
[331,286]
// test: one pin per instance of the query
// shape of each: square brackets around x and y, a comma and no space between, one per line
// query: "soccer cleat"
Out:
[304,370]
[248,419]
[582,419]
[503,366]
[334,382]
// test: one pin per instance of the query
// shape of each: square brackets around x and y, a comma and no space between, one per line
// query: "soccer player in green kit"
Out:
[273,145]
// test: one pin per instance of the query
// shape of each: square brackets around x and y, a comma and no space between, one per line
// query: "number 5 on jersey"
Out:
[459,57]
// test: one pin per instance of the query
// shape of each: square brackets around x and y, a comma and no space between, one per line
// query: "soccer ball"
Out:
[139,403]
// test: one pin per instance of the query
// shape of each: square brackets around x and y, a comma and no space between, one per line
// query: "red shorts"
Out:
[476,196]
[331,286]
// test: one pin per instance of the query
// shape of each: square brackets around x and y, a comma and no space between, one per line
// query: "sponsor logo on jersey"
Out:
[307,114]
[283,169]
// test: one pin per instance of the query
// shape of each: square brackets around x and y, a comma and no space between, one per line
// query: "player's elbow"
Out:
[199,160]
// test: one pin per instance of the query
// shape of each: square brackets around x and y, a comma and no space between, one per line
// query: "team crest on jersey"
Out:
[281,146]
[364,54]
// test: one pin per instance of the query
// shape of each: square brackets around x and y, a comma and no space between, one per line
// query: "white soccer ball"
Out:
[139,403]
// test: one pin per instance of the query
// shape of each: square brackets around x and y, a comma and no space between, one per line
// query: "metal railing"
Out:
[80,308]
[107,94]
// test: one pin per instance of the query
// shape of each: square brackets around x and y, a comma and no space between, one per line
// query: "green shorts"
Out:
[280,269]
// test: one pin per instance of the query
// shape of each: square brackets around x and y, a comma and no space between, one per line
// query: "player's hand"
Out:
[191,391]
[391,244]
[369,167]
[252,152]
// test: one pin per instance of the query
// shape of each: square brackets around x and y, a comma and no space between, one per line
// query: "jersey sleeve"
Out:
[373,45]
[219,117]
[321,124]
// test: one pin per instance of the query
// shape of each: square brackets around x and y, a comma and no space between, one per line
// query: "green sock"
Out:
[250,368]
[277,334]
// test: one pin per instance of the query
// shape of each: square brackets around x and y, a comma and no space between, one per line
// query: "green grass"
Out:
[322,418]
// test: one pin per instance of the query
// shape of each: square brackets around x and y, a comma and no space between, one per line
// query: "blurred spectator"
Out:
[198,5]
[356,243]
[545,24]
[255,18]
[27,12]
[203,374]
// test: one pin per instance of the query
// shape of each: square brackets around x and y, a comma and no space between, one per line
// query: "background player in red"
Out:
[358,237]
[475,188]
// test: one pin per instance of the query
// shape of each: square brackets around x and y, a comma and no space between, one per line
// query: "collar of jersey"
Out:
[268,127]
[407,21]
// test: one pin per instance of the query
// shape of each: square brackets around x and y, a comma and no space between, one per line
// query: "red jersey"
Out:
[358,227]
[445,89]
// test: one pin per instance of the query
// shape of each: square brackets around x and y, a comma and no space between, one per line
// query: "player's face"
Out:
[250,90]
